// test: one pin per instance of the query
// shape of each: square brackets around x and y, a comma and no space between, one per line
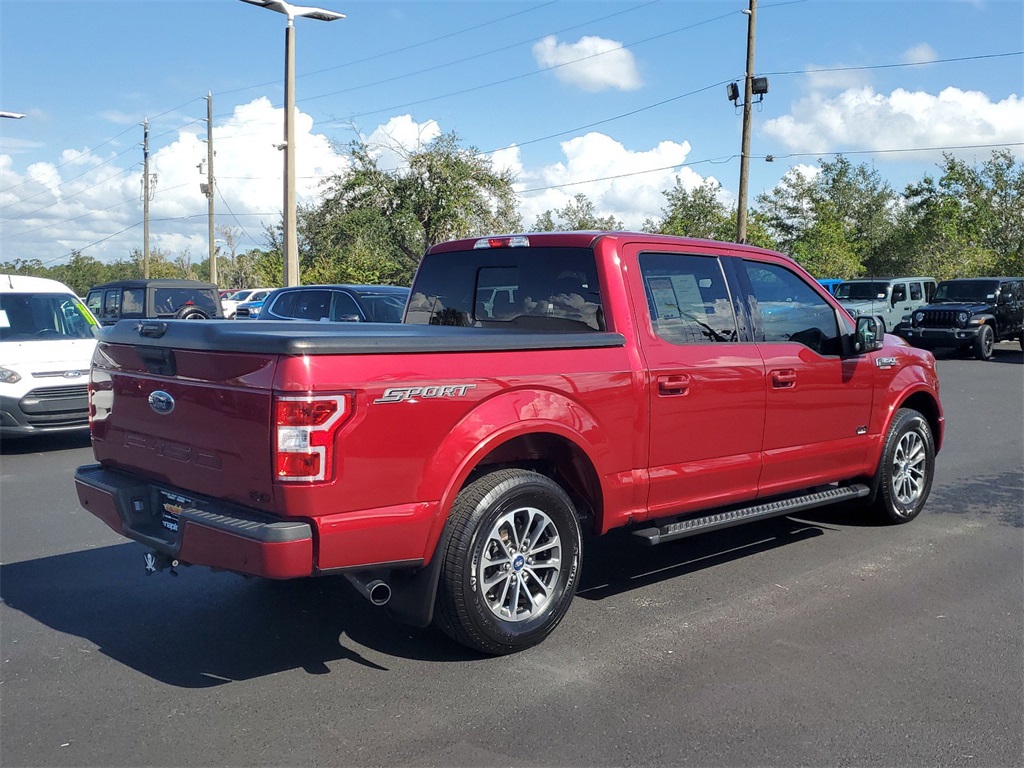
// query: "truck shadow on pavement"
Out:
[203,629]
[619,562]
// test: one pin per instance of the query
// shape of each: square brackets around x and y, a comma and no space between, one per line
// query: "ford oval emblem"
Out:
[161,402]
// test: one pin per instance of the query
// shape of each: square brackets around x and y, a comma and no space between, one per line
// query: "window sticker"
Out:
[688,295]
[664,297]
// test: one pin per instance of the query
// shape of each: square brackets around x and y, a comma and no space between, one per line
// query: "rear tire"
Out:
[983,342]
[904,475]
[512,562]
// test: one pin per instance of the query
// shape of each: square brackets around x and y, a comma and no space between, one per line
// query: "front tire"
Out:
[904,475]
[983,342]
[512,562]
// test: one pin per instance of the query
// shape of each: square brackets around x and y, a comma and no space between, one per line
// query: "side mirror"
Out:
[352,318]
[869,335]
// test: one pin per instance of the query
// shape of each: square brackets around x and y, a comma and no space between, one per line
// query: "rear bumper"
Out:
[199,532]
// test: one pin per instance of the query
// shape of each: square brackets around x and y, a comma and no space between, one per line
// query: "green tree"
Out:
[374,224]
[80,273]
[969,221]
[850,209]
[577,215]
[697,212]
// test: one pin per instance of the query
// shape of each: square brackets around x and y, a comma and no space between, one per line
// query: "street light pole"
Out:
[291,237]
[291,240]
[748,94]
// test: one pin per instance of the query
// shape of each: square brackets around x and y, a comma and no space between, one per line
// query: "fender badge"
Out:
[161,402]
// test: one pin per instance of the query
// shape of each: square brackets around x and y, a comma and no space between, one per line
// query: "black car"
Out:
[970,313]
[337,303]
[166,298]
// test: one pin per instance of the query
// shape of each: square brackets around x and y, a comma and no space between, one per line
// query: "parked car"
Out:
[163,298]
[970,313]
[448,465]
[891,298]
[231,303]
[46,345]
[249,310]
[829,283]
[337,303]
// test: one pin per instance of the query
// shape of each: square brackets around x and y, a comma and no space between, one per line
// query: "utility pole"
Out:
[290,239]
[748,93]
[145,198]
[209,184]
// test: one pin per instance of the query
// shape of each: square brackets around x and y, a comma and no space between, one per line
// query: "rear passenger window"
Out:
[688,298]
[916,294]
[304,305]
[790,310]
[132,300]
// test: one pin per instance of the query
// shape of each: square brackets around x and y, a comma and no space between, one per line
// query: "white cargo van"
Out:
[46,346]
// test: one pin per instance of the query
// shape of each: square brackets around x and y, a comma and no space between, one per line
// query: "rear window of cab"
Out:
[541,289]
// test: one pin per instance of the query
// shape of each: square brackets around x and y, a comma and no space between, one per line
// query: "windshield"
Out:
[43,317]
[383,307]
[966,290]
[862,291]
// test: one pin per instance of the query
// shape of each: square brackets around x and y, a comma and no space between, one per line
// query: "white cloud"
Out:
[86,198]
[920,54]
[592,63]
[861,118]
[608,172]
[390,142]
[54,208]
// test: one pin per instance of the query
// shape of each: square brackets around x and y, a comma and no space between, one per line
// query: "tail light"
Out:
[305,435]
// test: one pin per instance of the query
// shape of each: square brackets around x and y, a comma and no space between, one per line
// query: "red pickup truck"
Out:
[539,385]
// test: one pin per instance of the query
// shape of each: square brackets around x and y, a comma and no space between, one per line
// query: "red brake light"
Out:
[304,412]
[516,241]
[304,451]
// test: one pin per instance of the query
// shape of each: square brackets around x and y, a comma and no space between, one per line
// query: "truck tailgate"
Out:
[195,420]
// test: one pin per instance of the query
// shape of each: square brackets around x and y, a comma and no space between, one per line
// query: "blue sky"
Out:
[612,99]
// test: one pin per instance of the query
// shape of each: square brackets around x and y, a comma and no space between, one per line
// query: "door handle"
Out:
[676,384]
[784,379]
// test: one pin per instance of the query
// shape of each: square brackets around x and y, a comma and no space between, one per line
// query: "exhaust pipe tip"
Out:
[379,592]
[376,590]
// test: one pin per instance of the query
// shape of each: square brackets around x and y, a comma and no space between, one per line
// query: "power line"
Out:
[542,70]
[865,68]
[407,47]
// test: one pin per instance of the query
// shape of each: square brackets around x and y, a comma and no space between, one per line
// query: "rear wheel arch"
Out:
[554,456]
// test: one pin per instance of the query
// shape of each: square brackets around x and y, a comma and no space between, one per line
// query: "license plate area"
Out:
[169,508]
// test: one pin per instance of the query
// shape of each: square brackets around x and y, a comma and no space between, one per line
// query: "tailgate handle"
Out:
[151,330]
[158,360]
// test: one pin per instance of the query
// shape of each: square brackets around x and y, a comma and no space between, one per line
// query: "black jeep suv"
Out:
[970,313]
[167,298]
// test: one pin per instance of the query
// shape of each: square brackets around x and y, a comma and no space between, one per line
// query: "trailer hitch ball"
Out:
[155,561]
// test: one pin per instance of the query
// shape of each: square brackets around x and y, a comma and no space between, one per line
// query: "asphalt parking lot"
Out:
[818,640]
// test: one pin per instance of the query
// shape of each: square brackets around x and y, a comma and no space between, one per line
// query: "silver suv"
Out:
[892,298]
